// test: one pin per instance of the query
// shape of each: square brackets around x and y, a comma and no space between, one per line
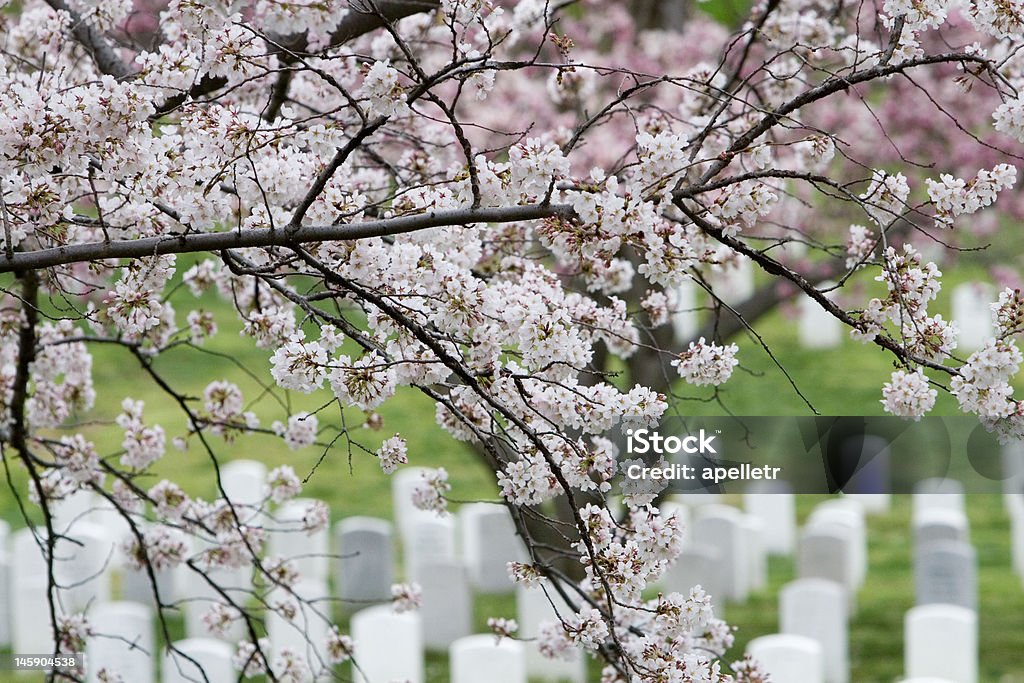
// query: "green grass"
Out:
[876,630]
[843,381]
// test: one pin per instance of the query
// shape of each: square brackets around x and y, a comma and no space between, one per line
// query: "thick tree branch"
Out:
[270,237]
[103,53]
[363,16]
[360,20]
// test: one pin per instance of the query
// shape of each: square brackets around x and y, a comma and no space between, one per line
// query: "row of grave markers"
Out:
[940,632]
[725,551]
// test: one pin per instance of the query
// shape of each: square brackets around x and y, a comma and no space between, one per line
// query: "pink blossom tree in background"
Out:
[493,204]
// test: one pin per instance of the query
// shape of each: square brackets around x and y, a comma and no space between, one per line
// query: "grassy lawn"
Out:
[844,381]
[876,631]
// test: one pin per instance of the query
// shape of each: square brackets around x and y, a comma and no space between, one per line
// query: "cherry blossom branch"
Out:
[359,21]
[828,87]
[271,237]
[103,54]
[773,267]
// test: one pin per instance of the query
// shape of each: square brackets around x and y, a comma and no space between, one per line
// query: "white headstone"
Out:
[826,553]
[848,513]
[447,607]
[1015,506]
[698,565]
[733,282]
[83,563]
[474,659]
[941,641]
[136,586]
[364,562]
[788,658]
[778,510]
[244,484]
[104,515]
[940,524]
[306,633]
[817,609]
[73,508]
[83,509]
[819,329]
[32,630]
[122,642]
[971,312]
[430,539]
[5,585]
[198,660]
[533,609]
[937,493]
[489,543]
[403,483]
[388,646]
[757,558]
[685,321]
[195,597]
[946,572]
[289,539]
[721,527]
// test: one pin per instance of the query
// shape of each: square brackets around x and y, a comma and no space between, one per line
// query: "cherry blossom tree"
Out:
[492,204]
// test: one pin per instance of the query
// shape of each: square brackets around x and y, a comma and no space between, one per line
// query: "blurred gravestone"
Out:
[534,608]
[971,312]
[305,633]
[817,328]
[757,558]
[5,585]
[789,658]
[481,658]
[941,641]
[775,504]
[365,562]
[244,484]
[290,539]
[82,566]
[1015,506]
[825,553]
[939,524]
[946,572]
[31,629]
[388,646]
[430,539]
[938,493]
[403,483]
[121,643]
[198,660]
[684,315]
[817,609]
[489,543]
[721,527]
[847,513]
[447,609]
